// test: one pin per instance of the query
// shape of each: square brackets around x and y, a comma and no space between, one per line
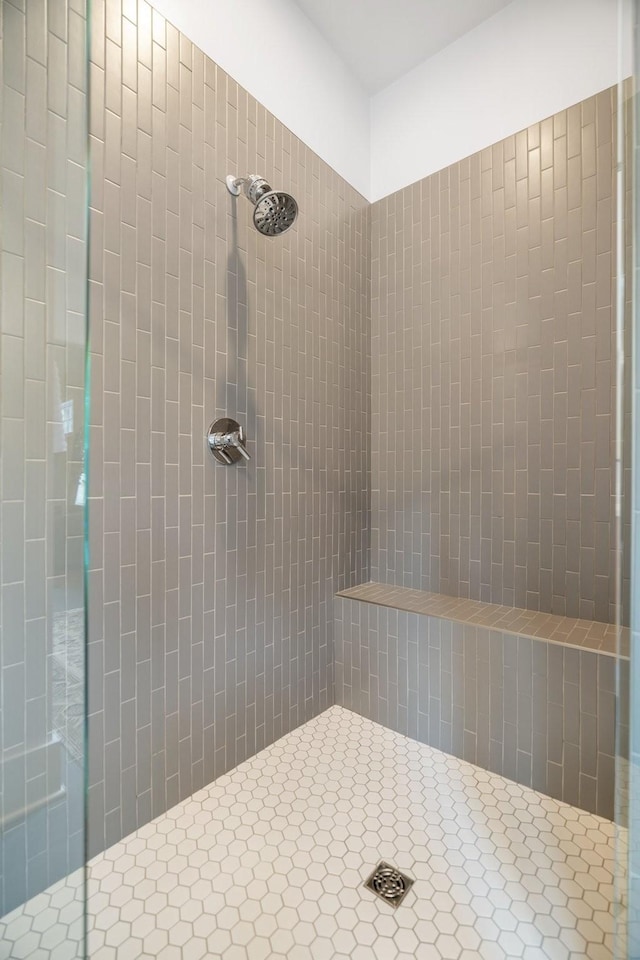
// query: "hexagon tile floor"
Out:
[269,863]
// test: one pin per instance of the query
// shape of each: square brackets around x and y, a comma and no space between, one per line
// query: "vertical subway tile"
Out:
[158,277]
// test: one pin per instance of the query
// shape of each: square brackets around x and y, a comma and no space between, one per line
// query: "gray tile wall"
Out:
[492,372]
[43,173]
[211,627]
[539,713]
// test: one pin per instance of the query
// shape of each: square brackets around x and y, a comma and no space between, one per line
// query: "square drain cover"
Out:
[389,884]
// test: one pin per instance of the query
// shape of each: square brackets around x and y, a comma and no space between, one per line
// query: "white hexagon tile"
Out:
[269,863]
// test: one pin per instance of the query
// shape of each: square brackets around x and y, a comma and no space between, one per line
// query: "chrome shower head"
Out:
[274,211]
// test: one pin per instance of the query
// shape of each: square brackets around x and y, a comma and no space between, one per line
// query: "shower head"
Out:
[274,211]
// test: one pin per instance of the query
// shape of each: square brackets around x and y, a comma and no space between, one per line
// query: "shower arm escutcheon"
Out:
[226,441]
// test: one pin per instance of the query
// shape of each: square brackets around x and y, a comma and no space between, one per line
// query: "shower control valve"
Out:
[226,441]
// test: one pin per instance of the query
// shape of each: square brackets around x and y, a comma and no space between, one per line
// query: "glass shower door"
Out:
[627,942]
[43,253]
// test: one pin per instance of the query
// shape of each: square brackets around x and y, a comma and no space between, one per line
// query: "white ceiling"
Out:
[380,40]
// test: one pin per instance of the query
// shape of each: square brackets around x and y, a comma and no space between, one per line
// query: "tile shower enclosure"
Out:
[433,371]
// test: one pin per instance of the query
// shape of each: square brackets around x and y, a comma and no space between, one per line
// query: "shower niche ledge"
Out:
[528,695]
[606,638]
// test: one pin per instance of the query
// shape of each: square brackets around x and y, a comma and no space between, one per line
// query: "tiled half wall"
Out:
[211,587]
[539,713]
[492,372]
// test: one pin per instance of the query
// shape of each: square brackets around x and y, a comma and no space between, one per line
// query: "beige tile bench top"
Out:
[585,634]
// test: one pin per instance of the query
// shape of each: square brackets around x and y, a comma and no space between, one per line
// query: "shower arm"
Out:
[234,184]
[255,187]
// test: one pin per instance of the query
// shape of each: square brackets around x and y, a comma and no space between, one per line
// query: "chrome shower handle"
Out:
[237,440]
[226,441]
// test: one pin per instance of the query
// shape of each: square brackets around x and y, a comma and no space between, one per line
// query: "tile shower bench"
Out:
[527,695]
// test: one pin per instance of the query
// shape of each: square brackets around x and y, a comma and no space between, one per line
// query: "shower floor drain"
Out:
[389,884]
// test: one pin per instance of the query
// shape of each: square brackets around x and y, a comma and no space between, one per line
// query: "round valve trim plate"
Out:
[228,455]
